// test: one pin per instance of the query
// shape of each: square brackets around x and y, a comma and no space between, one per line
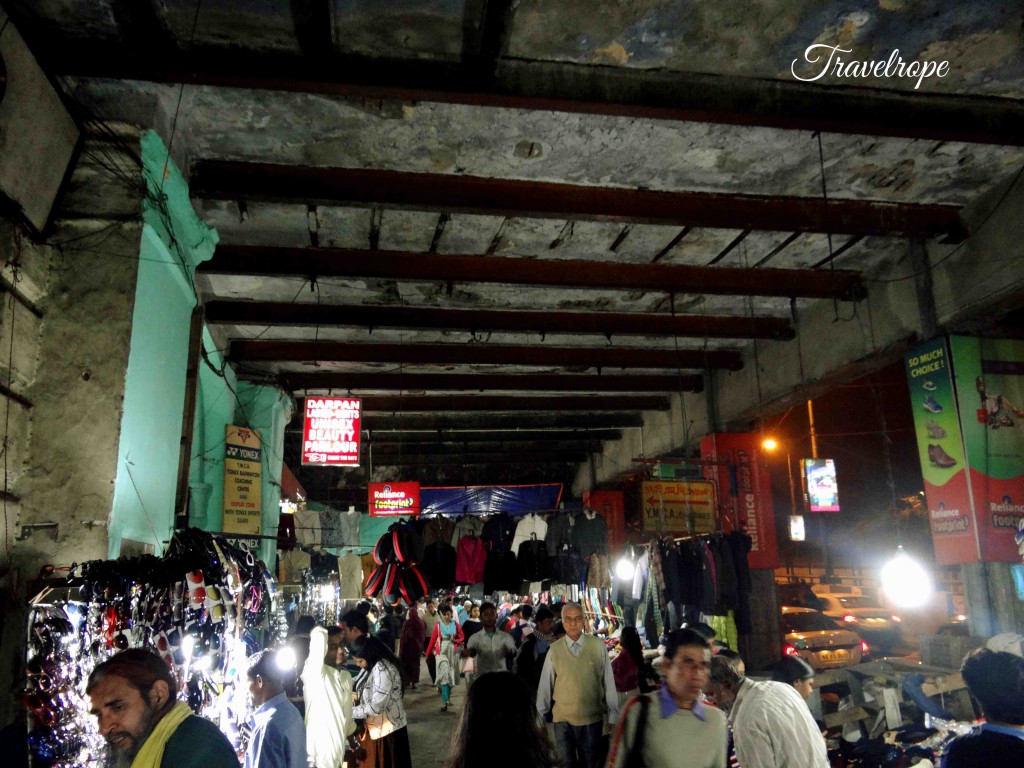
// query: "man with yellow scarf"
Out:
[133,697]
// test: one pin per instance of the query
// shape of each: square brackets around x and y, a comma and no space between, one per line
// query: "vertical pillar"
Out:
[976,596]
[763,646]
[267,410]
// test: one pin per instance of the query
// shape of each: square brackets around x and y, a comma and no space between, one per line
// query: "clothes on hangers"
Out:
[349,524]
[286,537]
[330,528]
[590,535]
[532,559]
[437,529]
[501,573]
[439,565]
[559,533]
[498,532]
[350,576]
[307,526]
[467,525]
[531,526]
[470,559]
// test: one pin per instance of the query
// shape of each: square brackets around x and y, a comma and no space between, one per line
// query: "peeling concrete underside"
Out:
[206,122]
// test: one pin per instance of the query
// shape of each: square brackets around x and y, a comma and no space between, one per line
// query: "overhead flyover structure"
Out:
[555,237]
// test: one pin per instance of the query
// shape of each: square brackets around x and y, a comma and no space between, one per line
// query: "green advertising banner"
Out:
[989,377]
[941,452]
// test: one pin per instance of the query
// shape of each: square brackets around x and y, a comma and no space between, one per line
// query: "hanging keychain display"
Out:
[205,606]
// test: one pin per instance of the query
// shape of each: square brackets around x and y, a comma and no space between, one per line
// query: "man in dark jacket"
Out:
[530,659]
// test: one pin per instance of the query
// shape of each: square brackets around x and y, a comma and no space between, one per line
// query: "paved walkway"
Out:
[430,729]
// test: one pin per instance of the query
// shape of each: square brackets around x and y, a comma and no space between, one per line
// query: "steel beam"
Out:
[449,193]
[496,422]
[425,382]
[560,87]
[586,437]
[564,273]
[469,403]
[499,446]
[482,354]
[394,316]
[432,460]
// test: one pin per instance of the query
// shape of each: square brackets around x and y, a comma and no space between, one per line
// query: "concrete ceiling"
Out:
[653,158]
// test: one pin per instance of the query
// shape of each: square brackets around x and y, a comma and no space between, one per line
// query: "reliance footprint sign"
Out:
[330,431]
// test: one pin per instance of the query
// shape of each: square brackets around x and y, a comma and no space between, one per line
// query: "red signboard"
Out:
[330,431]
[398,499]
[734,463]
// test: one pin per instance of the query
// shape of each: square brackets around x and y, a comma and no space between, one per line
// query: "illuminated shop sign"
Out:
[330,431]
[398,499]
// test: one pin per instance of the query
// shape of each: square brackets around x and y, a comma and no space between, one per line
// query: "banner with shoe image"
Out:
[967,397]
[941,451]
[989,377]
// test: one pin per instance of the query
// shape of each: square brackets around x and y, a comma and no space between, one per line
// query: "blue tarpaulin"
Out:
[487,499]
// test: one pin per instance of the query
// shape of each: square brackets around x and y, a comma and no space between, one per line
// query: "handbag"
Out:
[635,758]
[467,665]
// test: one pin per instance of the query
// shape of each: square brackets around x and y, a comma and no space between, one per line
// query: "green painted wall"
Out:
[267,410]
[215,407]
[174,242]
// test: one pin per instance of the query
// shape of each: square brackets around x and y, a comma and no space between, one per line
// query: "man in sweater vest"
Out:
[577,688]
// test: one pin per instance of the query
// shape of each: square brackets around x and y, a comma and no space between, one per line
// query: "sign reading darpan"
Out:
[330,432]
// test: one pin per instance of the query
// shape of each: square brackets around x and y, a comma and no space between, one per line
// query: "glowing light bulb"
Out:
[624,569]
[905,581]
[769,444]
[327,593]
[188,644]
[285,658]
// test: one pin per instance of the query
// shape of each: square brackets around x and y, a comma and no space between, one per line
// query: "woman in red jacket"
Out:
[445,642]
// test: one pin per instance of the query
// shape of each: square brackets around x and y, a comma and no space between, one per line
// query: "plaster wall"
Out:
[78,392]
[64,349]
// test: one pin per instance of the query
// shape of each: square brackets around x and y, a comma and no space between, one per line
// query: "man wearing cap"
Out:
[578,688]
[133,697]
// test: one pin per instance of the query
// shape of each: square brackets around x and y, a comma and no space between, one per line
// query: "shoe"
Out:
[444,707]
[929,385]
[940,458]
[935,430]
[931,404]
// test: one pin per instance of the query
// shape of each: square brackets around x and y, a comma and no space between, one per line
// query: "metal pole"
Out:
[823,529]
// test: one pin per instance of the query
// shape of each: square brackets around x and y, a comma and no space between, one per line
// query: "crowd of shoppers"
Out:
[539,692]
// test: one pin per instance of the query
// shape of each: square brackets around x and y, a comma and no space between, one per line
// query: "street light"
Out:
[905,581]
